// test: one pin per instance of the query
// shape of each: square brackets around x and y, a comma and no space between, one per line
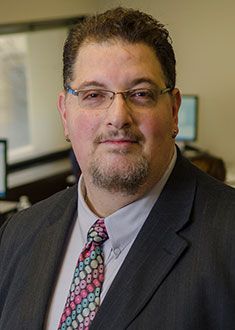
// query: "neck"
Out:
[103,202]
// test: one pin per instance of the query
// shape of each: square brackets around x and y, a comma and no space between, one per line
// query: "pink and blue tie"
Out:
[84,297]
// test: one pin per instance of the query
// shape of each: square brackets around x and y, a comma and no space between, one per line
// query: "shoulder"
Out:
[211,223]
[213,187]
[33,219]
[206,182]
[213,207]
[211,196]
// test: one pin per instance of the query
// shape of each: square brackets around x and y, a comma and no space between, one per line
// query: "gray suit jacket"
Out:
[178,275]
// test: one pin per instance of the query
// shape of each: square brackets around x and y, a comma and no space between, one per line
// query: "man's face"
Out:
[121,147]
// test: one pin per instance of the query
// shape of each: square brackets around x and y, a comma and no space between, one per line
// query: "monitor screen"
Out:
[188,119]
[3,169]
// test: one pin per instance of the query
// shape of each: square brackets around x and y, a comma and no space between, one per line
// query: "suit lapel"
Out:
[42,263]
[153,254]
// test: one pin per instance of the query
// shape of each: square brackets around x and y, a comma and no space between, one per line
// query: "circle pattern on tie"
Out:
[84,296]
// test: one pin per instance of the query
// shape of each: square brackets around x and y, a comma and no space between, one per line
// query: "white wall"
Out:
[12,11]
[203,38]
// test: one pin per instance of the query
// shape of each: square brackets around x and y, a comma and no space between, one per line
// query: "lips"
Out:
[118,141]
[119,138]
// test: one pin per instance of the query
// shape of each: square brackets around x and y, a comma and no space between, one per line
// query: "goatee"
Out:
[126,180]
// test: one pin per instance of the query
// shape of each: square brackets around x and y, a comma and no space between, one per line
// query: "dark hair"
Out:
[126,24]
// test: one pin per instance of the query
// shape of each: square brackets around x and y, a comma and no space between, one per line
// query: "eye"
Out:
[142,94]
[92,95]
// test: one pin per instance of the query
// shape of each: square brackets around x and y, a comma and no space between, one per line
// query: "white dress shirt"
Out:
[122,228]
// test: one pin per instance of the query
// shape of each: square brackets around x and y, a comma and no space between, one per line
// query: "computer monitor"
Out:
[188,119]
[3,169]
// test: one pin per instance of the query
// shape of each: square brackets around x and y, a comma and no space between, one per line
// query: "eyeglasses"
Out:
[102,98]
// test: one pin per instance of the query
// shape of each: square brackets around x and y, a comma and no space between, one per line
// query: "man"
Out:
[167,229]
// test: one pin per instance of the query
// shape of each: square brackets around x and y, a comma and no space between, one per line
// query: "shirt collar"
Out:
[124,224]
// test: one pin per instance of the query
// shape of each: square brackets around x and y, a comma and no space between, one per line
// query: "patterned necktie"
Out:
[84,296]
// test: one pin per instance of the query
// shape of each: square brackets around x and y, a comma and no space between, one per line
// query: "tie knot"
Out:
[97,233]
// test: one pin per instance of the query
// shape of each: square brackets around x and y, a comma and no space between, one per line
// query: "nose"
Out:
[119,115]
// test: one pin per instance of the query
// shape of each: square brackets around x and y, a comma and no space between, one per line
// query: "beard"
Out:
[126,178]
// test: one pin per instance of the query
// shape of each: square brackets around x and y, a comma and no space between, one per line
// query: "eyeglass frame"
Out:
[125,93]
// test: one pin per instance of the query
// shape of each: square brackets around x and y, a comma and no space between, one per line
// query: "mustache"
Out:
[124,134]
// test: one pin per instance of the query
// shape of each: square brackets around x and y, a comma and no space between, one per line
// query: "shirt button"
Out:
[116,252]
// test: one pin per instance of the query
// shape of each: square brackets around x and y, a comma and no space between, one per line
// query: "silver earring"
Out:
[67,138]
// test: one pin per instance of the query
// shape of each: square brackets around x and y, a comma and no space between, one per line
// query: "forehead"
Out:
[116,62]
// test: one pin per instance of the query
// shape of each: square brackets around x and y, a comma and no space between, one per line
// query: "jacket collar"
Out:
[158,243]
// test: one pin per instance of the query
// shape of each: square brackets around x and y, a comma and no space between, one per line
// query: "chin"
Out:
[120,175]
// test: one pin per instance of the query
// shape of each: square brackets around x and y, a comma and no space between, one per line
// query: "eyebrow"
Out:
[142,80]
[92,83]
[133,83]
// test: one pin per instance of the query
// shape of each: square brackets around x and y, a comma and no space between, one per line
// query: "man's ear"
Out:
[61,106]
[176,102]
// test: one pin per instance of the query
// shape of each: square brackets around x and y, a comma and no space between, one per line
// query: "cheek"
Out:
[155,128]
[81,127]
